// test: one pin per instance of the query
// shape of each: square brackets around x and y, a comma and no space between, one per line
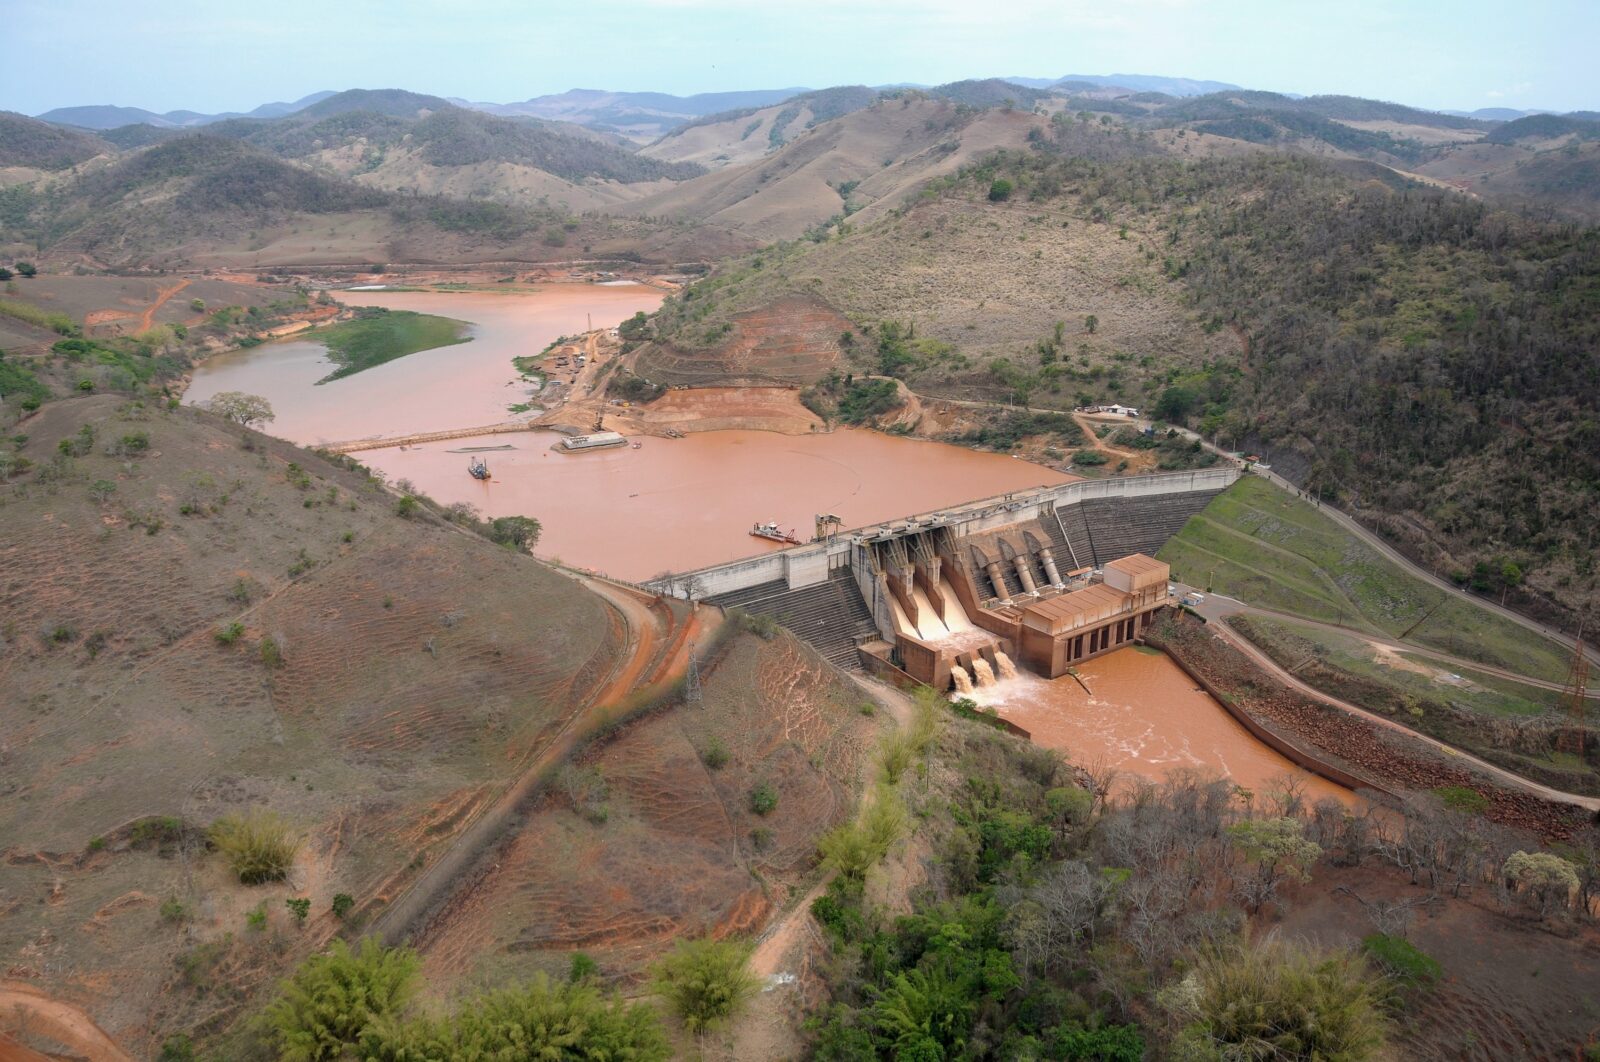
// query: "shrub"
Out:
[256,919]
[230,633]
[259,846]
[1403,961]
[1107,1043]
[715,754]
[763,798]
[705,982]
[332,999]
[582,968]
[540,1020]
[406,507]
[1089,457]
[1276,1001]
[174,910]
[1000,190]
[300,908]
[854,848]
[176,1048]
[271,652]
[343,902]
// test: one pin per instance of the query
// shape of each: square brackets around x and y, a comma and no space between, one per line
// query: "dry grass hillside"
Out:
[869,161]
[650,835]
[193,629]
[973,281]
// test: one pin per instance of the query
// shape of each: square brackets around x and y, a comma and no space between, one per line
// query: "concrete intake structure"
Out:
[874,591]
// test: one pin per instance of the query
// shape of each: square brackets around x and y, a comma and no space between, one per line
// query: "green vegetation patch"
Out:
[19,384]
[1269,549]
[378,335]
[1345,665]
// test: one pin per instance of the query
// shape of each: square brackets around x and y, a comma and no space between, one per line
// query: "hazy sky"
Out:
[211,56]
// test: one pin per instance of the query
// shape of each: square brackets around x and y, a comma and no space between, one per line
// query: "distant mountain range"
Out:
[109,116]
[645,116]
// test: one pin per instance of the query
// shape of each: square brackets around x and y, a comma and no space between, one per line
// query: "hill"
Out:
[396,103]
[1379,364]
[367,644]
[1544,127]
[747,134]
[640,116]
[111,117]
[867,160]
[36,145]
[207,199]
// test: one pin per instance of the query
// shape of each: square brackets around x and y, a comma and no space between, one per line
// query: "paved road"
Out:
[1217,607]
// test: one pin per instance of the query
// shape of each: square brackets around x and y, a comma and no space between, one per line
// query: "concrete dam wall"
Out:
[828,593]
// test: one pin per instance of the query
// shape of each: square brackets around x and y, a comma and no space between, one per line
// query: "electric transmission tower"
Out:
[692,695]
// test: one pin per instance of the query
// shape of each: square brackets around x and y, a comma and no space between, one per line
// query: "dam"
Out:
[956,598]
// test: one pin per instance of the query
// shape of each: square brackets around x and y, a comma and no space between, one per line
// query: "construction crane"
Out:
[1575,695]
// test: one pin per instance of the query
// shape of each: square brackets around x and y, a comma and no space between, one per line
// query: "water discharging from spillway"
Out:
[985,673]
[1145,718]
[1008,670]
[963,683]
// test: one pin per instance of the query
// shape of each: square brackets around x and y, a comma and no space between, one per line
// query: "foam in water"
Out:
[959,674]
[985,673]
[1008,670]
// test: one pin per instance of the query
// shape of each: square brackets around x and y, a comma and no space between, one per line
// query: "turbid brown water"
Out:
[1145,717]
[459,386]
[678,504]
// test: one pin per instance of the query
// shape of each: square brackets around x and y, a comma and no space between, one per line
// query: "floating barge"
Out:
[597,441]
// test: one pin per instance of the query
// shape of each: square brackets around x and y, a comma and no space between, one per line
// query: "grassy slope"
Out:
[373,339]
[1266,548]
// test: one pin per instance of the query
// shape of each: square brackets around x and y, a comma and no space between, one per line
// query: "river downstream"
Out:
[1144,717]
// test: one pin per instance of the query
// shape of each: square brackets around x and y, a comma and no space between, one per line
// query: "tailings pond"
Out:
[672,504]
[1145,717]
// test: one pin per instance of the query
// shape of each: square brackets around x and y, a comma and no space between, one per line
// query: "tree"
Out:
[1510,576]
[1091,323]
[540,1020]
[1000,190]
[1175,403]
[518,532]
[5,274]
[333,997]
[1279,849]
[705,981]
[1544,878]
[240,408]
[27,269]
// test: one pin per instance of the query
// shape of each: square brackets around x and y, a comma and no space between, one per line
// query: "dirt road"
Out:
[640,663]
[148,319]
[25,1012]
[1500,774]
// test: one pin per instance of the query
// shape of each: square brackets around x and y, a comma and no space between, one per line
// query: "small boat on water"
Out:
[479,468]
[770,532]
